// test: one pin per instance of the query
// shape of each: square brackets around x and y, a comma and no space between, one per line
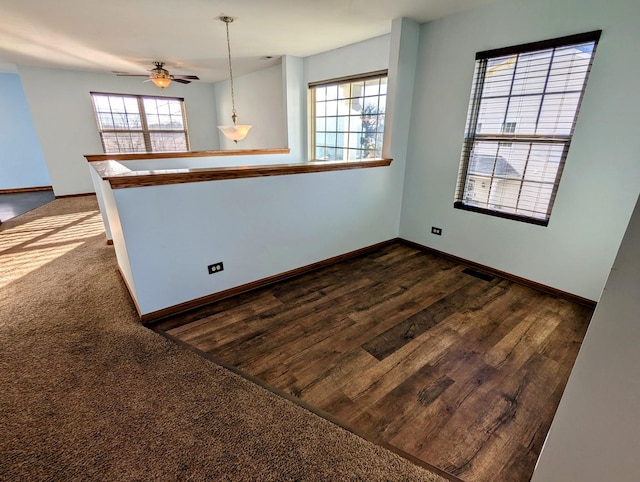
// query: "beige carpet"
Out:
[87,393]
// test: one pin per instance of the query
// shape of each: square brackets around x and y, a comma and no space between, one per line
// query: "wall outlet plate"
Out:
[436,231]
[215,267]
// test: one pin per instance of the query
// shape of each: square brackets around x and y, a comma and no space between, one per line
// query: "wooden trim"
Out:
[64,196]
[178,176]
[133,298]
[411,458]
[26,189]
[205,300]
[187,154]
[301,403]
[502,274]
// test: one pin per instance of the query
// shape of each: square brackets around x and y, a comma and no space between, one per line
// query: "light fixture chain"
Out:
[233,99]
[235,132]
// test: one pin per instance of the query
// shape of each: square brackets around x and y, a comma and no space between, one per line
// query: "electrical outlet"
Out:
[215,267]
[436,231]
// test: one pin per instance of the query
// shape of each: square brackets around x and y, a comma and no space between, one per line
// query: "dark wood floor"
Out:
[14,204]
[461,372]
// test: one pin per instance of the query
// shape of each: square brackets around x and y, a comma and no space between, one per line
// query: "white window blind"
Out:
[522,113]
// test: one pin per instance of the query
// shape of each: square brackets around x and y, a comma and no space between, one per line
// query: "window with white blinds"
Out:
[522,113]
[135,123]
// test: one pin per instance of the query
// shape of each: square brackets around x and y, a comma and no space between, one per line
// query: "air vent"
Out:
[478,274]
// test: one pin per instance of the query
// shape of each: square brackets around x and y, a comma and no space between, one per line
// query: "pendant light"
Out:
[234,132]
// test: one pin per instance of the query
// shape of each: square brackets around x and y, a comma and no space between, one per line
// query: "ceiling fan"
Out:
[161,76]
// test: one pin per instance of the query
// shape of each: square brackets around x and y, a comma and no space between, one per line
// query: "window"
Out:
[133,123]
[347,117]
[523,109]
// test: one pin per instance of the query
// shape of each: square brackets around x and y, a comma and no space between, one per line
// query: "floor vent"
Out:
[478,274]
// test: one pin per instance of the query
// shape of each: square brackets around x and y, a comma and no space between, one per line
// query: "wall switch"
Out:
[436,231]
[215,267]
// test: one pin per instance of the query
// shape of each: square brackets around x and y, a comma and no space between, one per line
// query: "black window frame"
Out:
[508,134]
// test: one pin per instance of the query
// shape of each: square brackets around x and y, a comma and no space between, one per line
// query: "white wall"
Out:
[602,175]
[261,227]
[273,100]
[257,227]
[64,119]
[65,122]
[294,93]
[259,102]
[395,52]
[359,58]
[595,434]
[405,35]
[21,160]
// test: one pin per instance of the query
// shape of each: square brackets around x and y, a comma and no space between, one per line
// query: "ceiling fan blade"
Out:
[182,81]
[132,75]
[190,77]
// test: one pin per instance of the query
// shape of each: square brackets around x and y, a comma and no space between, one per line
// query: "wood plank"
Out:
[398,336]
[461,373]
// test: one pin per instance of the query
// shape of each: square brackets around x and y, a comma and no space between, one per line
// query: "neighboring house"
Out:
[491,179]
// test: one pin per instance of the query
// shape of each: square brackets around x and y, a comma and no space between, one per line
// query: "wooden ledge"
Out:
[124,178]
[179,155]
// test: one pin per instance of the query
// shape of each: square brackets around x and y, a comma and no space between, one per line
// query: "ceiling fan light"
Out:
[161,80]
[235,132]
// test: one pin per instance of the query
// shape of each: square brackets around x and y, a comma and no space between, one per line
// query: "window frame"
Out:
[508,136]
[145,131]
[312,131]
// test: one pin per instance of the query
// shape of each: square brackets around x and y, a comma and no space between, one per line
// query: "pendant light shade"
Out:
[235,132]
[162,81]
[160,76]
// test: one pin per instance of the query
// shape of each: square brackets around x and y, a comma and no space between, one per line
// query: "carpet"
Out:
[88,393]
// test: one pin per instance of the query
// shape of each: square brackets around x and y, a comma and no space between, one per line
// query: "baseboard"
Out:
[205,300]
[64,196]
[26,189]
[133,298]
[212,298]
[502,274]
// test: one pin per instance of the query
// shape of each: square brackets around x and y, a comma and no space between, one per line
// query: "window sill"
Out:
[489,212]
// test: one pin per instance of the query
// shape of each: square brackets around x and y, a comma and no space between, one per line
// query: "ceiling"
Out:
[128,35]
